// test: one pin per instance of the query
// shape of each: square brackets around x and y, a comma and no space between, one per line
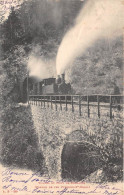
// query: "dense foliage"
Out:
[110,145]
[39,21]
[20,146]
[99,70]
[44,23]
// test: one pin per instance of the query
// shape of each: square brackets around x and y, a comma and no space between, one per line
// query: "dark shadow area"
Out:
[20,146]
[79,159]
[27,87]
[25,91]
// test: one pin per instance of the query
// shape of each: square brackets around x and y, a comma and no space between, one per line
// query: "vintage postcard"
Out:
[61,103]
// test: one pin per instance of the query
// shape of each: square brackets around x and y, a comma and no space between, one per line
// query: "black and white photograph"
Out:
[61,97]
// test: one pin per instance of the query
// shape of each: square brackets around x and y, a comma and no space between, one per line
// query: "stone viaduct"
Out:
[71,144]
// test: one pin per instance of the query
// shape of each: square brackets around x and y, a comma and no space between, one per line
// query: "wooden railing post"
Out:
[88,106]
[98,101]
[79,105]
[41,101]
[44,100]
[38,101]
[47,101]
[110,107]
[60,103]
[51,102]
[72,103]
[55,104]
[66,103]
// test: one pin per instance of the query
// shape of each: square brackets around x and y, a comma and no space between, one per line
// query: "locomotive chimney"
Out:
[63,77]
[58,80]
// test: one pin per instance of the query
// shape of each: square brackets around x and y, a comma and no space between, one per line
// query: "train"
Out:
[50,86]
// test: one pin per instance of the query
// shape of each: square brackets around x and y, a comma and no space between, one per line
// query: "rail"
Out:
[108,101]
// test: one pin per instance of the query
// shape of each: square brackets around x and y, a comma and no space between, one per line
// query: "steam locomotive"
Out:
[50,86]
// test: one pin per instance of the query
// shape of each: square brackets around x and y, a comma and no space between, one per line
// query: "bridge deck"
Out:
[94,104]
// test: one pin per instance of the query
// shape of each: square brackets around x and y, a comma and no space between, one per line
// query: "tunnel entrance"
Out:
[79,159]
[27,87]
[24,97]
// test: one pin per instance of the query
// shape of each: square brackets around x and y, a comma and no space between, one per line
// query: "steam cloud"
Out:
[97,19]
[39,68]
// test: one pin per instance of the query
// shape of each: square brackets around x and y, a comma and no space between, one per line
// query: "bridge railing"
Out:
[107,101]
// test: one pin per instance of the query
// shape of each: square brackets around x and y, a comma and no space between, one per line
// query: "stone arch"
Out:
[79,158]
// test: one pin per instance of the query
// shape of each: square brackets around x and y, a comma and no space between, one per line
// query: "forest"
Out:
[43,24]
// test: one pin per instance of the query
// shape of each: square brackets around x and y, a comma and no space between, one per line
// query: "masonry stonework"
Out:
[55,128]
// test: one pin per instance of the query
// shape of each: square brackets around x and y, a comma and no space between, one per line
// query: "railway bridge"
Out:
[73,129]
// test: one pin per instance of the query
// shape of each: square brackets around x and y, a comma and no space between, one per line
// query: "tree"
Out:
[12,30]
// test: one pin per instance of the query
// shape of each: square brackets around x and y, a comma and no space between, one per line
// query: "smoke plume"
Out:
[97,19]
[40,68]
